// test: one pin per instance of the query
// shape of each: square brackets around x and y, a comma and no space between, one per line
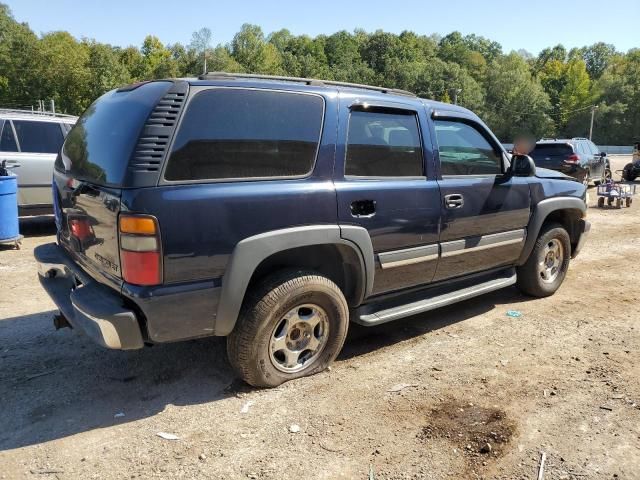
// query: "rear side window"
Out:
[381,144]
[38,137]
[551,150]
[7,140]
[240,134]
[465,151]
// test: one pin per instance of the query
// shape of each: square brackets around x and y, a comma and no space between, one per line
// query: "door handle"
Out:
[363,208]
[453,201]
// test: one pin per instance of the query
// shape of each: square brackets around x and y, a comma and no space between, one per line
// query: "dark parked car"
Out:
[274,211]
[577,157]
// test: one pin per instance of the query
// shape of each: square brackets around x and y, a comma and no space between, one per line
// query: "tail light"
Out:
[140,249]
[573,159]
[80,228]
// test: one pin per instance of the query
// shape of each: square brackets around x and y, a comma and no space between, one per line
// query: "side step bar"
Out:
[394,313]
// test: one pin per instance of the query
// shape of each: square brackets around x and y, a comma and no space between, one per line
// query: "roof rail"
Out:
[579,138]
[306,81]
[36,112]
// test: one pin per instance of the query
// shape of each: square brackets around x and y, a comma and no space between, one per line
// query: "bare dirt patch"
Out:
[481,433]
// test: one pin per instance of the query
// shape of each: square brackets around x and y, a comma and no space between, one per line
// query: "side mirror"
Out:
[523,166]
[603,154]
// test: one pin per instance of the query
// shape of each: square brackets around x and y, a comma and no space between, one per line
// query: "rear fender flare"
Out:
[542,210]
[251,251]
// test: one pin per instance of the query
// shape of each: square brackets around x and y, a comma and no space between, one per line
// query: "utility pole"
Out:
[53,106]
[593,113]
[455,95]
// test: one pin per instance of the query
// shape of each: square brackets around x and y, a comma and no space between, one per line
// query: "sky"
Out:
[531,25]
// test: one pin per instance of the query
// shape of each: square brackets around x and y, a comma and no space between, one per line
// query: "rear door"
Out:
[596,159]
[382,185]
[484,210]
[38,142]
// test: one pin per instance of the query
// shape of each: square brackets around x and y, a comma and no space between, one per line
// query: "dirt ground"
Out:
[463,392]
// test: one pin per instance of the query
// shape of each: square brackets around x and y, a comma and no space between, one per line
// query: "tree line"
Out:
[550,94]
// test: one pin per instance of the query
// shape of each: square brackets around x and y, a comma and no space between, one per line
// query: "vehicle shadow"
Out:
[58,383]
[39,226]
[362,340]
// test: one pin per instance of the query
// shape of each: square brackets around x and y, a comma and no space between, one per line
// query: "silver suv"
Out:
[30,142]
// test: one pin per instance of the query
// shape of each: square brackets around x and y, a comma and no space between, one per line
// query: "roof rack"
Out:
[306,81]
[579,138]
[36,112]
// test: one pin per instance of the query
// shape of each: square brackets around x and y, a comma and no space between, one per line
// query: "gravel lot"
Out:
[462,392]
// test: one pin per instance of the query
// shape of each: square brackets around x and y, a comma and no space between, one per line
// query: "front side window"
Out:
[38,137]
[7,140]
[381,144]
[465,151]
[242,134]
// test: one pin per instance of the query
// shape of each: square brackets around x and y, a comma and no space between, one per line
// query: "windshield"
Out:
[99,146]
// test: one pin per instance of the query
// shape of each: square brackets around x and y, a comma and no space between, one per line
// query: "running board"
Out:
[401,311]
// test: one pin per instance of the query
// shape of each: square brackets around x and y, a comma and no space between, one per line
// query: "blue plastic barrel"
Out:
[9,208]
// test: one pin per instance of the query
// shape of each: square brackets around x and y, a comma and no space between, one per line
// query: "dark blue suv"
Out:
[276,210]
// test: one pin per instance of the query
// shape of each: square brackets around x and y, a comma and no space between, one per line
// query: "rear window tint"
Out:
[238,134]
[99,146]
[38,137]
[553,149]
[383,144]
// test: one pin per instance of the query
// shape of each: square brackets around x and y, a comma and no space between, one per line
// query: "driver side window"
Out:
[465,151]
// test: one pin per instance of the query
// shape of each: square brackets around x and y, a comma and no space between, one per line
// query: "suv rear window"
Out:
[238,134]
[99,146]
[553,149]
[38,137]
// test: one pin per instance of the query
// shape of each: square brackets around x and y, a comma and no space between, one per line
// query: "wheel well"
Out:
[339,263]
[570,220]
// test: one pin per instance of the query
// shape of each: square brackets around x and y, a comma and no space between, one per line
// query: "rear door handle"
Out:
[363,208]
[453,201]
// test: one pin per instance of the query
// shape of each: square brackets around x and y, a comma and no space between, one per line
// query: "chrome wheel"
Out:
[585,179]
[552,259]
[299,338]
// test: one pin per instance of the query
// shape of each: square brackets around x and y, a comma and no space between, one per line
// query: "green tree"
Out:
[515,102]
[250,49]
[576,94]
[201,44]
[157,61]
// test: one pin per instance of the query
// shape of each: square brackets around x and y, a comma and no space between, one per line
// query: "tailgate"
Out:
[86,217]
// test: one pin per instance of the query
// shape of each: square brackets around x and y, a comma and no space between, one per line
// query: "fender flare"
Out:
[540,214]
[251,251]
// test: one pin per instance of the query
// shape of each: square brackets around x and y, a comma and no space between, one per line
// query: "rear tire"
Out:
[292,325]
[547,265]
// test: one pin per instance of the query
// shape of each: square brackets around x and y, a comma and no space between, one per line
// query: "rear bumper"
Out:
[94,308]
[585,228]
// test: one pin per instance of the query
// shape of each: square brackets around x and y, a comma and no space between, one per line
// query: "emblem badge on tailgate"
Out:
[106,263]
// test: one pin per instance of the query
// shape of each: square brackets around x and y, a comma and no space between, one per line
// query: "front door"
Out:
[382,185]
[484,210]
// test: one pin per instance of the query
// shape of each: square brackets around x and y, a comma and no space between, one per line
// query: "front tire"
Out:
[547,265]
[292,325]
